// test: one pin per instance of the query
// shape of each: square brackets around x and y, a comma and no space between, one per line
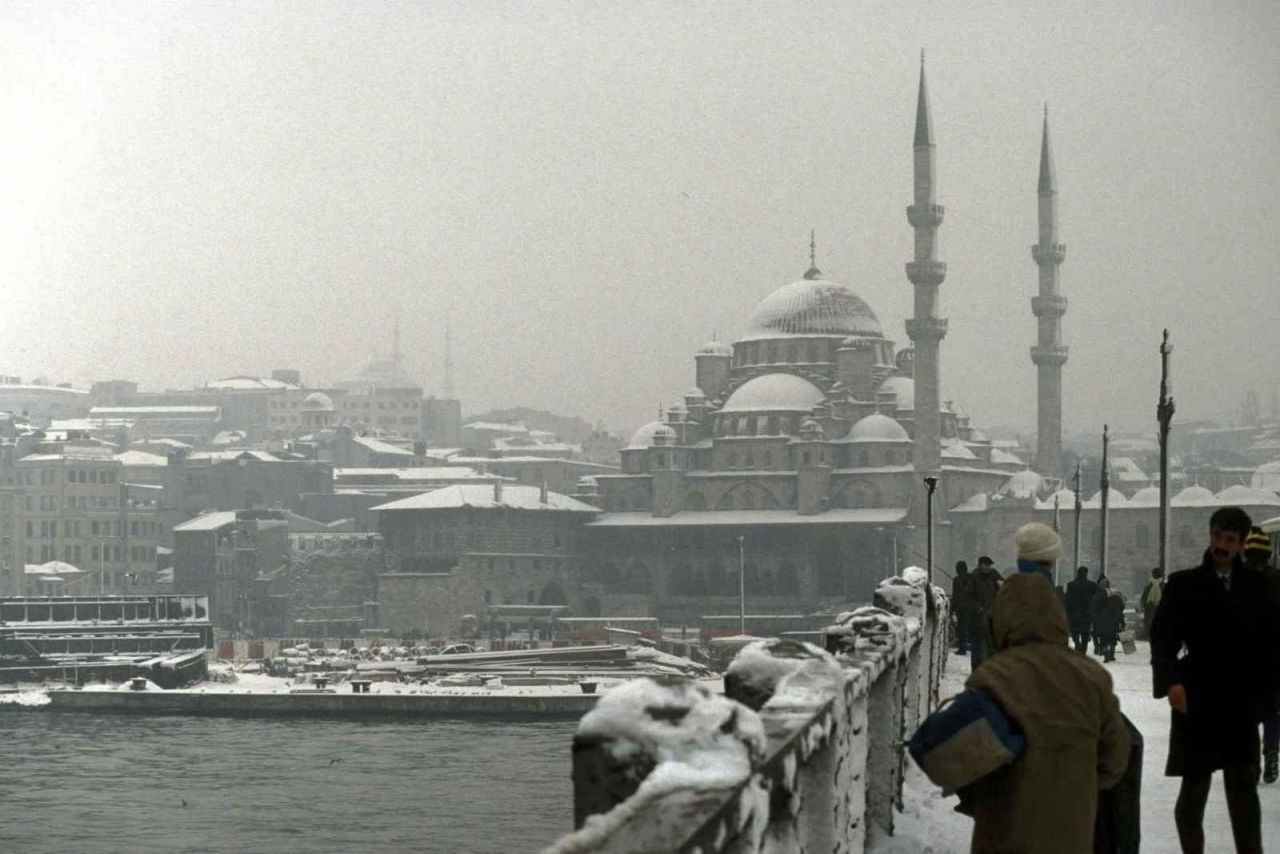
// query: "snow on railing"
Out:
[804,752]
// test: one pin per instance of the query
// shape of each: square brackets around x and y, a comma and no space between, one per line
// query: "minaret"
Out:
[1048,306]
[925,328]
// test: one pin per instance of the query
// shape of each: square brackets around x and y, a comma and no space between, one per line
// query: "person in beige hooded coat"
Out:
[1077,743]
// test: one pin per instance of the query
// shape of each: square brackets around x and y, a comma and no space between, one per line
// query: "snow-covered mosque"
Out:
[801,451]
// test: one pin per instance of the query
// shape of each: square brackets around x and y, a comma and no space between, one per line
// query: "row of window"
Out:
[75,554]
[48,503]
[50,476]
[48,528]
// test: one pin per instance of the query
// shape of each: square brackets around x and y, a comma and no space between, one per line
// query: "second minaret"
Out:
[1048,306]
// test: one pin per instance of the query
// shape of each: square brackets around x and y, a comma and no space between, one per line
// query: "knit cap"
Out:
[1257,541]
[1037,541]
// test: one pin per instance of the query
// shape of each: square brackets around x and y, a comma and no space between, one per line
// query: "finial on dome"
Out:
[813,272]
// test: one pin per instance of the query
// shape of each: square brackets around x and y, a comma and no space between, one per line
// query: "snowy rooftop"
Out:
[109,411]
[208,521]
[246,383]
[380,447]
[486,497]
[411,474]
[141,458]
[862,515]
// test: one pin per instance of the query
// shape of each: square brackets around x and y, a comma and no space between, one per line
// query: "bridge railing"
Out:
[805,751]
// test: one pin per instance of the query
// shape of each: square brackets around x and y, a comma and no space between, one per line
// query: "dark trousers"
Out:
[1241,783]
[964,628]
[977,649]
[1080,639]
[1271,733]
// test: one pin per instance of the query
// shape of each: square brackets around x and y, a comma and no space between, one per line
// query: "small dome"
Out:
[1024,484]
[877,427]
[1115,498]
[1193,496]
[317,401]
[812,430]
[1240,494]
[1066,500]
[1148,496]
[812,306]
[664,435]
[716,348]
[694,393]
[588,485]
[774,393]
[1267,476]
[904,389]
[643,438]
[1002,457]
[956,450]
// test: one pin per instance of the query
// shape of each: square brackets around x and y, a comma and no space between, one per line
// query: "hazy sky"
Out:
[589,190]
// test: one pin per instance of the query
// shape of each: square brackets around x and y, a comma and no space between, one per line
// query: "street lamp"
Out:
[930,484]
[742,586]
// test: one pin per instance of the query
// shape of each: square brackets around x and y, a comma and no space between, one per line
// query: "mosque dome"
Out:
[317,401]
[812,306]
[1066,500]
[1192,496]
[774,393]
[643,438]
[1240,494]
[694,393]
[716,348]
[1024,484]
[1267,476]
[1148,496]
[877,427]
[1115,498]
[904,389]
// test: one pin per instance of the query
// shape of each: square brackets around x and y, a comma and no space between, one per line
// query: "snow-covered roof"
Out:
[1000,457]
[1194,496]
[1115,498]
[1266,476]
[1148,496]
[957,451]
[1240,494]
[380,447]
[812,306]
[123,411]
[317,401]
[487,497]
[495,426]
[904,391]
[235,454]
[53,567]
[1023,484]
[210,521]
[141,458]
[247,383]
[172,443]
[412,474]
[973,504]
[774,393]
[643,437]
[861,515]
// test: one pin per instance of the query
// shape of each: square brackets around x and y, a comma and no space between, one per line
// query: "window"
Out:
[93,475]
[30,529]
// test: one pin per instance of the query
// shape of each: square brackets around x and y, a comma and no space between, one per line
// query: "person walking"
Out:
[962,602]
[1151,599]
[1099,616]
[1257,555]
[1077,743]
[1112,621]
[1079,597]
[1224,616]
[984,584]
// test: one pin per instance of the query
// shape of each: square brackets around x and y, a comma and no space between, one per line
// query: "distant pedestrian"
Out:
[983,586]
[962,602]
[1077,742]
[1151,599]
[1224,615]
[1257,555]
[1079,598]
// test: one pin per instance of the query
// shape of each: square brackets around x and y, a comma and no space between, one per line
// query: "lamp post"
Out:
[742,586]
[1057,529]
[1106,504]
[1076,535]
[1164,415]
[930,484]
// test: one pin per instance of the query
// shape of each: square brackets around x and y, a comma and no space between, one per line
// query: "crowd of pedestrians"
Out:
[1212,657]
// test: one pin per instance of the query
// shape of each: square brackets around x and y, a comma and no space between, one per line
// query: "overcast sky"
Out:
[588,191]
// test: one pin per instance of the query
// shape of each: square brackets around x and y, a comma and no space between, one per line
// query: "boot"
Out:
[1271,771]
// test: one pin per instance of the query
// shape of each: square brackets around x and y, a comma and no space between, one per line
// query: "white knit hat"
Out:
[1037,541]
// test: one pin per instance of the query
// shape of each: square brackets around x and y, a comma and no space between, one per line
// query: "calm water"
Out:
[74,782]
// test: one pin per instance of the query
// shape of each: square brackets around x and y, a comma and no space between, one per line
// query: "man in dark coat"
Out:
[1107,612]
[1257,555]
[1224,615]
[962,602]
[1079,597]
[984,584]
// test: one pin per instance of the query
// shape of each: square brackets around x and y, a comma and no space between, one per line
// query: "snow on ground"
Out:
[928,824]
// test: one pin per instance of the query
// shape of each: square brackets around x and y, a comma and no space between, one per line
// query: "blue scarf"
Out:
[1029,566]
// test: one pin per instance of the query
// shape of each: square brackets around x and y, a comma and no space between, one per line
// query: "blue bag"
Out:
[964,740]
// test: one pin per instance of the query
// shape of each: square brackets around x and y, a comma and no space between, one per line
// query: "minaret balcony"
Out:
[925,215]
[1050,306]
[1047,254]
[926,272]
[926,329]
[1050,356]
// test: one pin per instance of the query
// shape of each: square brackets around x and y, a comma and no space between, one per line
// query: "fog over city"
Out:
[588,192]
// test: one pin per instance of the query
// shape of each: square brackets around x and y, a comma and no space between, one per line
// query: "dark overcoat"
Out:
[1229,668]
[1079,597]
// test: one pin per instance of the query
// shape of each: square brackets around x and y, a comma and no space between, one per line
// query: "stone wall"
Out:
[803,753]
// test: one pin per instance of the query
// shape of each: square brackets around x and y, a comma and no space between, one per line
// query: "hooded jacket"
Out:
[1077,742]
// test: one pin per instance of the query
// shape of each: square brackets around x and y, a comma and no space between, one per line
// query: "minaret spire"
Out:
[1048,306]
[925,272]
[813,272]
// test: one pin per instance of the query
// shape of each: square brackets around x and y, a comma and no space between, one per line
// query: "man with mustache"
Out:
[1224,614]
